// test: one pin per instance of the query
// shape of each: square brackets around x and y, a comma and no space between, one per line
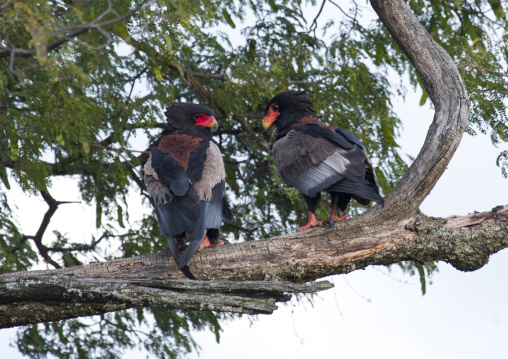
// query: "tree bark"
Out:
[448,95]
[378,236]
[34,299]
[465,242]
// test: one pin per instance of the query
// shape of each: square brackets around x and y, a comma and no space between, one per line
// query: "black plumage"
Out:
[185,178]
[313,157]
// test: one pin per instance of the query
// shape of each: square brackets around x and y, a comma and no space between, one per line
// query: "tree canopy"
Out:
[80,80]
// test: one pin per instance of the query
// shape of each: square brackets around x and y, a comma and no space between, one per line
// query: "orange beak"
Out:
[270,118]
[213,124]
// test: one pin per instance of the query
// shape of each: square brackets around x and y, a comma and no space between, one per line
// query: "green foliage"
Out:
[424,270]
[103,88]
[163,333]
[16,253]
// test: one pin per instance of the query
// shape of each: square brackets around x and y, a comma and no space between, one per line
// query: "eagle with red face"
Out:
[185,178]
[313,157]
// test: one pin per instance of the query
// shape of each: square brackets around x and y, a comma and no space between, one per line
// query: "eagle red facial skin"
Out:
[205,121]
[270,117]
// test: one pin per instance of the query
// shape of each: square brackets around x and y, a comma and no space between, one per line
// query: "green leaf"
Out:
[14,150]
[98,214]
[273,5]
[86,147]
[176,316]
[383,182]
[70,260]
[120,217]
[228,18]
[122,30]
[255,103]
[502,131]
[424,98]
[4,177]
[169,43]
[39,44]
[421,272]
[60,140]
[158,74]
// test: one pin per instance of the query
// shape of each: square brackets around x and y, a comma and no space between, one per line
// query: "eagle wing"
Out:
[314,158]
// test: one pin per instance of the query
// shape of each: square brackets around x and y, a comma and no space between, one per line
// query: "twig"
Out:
[313,26]
[15,52]
[119,150]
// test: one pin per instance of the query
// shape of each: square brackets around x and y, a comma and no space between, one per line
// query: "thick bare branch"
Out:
[466,242]
[31,297]
[20,297]
[448,94]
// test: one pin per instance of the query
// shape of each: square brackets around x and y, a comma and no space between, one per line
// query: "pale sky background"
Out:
[372,312]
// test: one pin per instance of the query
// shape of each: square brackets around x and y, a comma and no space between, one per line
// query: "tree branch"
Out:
[72,296]
[43,250]
[31,297]
[448,94]
[465,242]
[14,52]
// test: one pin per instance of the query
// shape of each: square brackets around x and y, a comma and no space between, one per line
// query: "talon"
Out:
[332,219]
[313,222]
[180,244]
[206,243]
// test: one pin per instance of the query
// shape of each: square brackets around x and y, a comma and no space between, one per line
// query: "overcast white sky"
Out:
[369,313]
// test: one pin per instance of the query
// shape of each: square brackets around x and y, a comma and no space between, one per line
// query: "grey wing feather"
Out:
[159,192]
[313,164]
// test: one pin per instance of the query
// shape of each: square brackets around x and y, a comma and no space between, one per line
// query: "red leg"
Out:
[180,243]
[332,218]
[312,222]
[206,243]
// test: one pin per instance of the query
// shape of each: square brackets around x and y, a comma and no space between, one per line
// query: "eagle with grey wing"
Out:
[312,165]
[185,178]
[313,157]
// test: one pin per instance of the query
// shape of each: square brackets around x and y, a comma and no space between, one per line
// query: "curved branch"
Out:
[43,250]
[446,90]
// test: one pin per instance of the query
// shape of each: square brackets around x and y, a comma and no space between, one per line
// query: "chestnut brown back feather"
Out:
[179,147]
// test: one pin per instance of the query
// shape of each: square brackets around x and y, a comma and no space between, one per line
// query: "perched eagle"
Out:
[313,157]
[185,178]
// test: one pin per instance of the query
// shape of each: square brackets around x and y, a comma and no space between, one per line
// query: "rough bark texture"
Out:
[378,236]
[465,242]
[448,94]
[29,297]
[33,299]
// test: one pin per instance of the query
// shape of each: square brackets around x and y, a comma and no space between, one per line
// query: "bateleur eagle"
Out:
[185,178]
[313,157]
